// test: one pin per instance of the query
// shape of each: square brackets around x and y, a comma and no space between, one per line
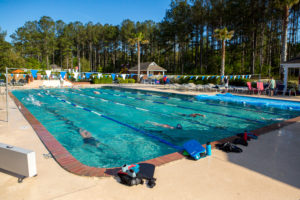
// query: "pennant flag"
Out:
[24,75]
[213,77]
[12,75]
[191,77]
[76,75]
[17,75]
[243,76]
[123,76]
[217,77]
[239,76]
[62,74]
[234,77]
[34,72]
[196,77]
[178,76]
[105,76]
[113,76]
[203,77]
[48,73]
[184,77]
[79,77]
[249,76]
[231,77]
[208,77]
[222,77]
[246,76]
[5,75]
[87,75]
[41,75]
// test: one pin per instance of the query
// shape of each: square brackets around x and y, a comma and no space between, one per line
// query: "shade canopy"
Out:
[17,71]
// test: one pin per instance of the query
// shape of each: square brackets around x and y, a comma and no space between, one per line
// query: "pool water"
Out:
[124,121]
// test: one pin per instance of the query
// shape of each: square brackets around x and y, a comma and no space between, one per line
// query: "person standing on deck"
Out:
[272,86]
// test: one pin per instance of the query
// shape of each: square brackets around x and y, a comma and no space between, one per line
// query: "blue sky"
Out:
[14,13]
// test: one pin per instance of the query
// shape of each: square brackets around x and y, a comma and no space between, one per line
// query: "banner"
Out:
[34,72]
[48,73]
[62,74]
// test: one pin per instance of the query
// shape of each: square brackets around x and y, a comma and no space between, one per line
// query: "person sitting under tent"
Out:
[88,138]
[165,125]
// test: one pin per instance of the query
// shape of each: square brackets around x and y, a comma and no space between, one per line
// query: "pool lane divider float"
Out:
[192,101]
[190,108]
[121,123]
[281,104]
[154,112]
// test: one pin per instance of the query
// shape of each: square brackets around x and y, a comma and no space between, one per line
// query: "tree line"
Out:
[183,42]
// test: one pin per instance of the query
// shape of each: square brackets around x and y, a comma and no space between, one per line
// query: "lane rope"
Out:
[190,108]
[121,123]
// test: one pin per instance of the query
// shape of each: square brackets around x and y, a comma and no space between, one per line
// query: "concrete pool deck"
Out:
[267,169]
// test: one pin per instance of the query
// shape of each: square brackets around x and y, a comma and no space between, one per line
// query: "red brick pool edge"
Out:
[71,164]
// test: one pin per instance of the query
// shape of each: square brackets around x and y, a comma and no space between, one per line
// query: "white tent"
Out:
[293,63]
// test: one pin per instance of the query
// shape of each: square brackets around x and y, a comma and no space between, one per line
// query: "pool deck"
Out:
[268,169]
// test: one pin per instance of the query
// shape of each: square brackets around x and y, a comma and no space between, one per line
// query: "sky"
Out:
[14,13]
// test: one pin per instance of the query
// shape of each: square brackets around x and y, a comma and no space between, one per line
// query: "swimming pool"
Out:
[123,121]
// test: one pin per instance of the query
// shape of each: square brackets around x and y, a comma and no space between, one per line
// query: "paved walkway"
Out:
[268,169]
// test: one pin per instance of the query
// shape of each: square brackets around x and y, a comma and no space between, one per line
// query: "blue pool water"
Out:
[123,121]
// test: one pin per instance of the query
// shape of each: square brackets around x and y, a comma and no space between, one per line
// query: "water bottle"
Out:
[208,149]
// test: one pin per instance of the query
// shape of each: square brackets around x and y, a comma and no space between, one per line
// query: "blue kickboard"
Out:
[194,148]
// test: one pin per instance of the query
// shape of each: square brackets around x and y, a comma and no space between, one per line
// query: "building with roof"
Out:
[292,63]
[149,68]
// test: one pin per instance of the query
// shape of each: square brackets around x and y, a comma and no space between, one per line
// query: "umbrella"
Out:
[17,71]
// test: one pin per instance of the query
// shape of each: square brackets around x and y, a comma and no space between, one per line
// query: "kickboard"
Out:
[194,148]
[146,171]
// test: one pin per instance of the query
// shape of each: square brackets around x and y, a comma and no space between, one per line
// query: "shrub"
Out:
[131,80]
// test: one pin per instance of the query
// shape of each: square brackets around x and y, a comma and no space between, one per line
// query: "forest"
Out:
[266,33]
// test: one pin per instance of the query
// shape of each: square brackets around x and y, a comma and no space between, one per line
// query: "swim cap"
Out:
[179,126]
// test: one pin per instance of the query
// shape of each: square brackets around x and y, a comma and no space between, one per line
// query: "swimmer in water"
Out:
[165,125]
[191,115]
[273,119]
[88,138]
[39,94]
[96,92]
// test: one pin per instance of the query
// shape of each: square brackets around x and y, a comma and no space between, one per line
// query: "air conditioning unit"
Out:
[18,160]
